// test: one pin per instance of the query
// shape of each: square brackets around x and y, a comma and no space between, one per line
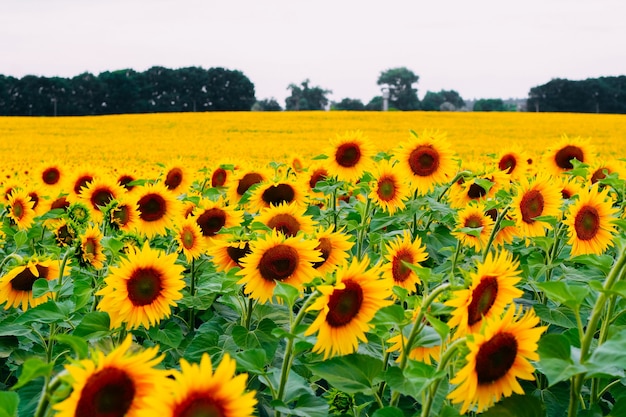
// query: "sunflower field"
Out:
[313,264]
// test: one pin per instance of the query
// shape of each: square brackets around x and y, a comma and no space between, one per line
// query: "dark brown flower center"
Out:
[218,178]
[25,279]
[483,297]
[495,357]
[475,191]
[278,263]
[599,174]
[587,223]
[345,304]
[34,198]
[325,247]
[424,160]
[174,178]
[60,203]
[125,180]
[492,213]
[144,286]
[101,197]
[473,221]
[507,163]
[348,154]
[107,393]
[531,206]
[565,155]
[318,175]
[152,207]
[199,404]
[236,253]
[399,270]
[277,194]
[120,215]
[90,246]
[82,181]
[51,176]
[211,221]
[247,181]
[387,188]
[285,223]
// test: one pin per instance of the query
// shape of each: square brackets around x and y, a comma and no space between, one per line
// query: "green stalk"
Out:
[48,389]
[192,293]
[496,229]
[604,333]
[10,256]
[363,229]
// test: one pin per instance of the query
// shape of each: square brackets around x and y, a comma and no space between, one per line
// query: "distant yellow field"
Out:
[206,138]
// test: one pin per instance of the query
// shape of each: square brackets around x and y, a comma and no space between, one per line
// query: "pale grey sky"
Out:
[480,48]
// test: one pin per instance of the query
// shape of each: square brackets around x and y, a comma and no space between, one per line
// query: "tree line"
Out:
[192,89]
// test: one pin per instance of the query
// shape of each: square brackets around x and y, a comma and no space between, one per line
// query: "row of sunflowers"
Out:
[354,281]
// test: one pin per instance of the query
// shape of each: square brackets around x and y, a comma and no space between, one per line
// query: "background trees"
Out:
[444,100]
[304,97]
[399,81]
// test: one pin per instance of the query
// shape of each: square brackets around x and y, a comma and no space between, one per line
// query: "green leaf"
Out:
[41,287]
[556,359]
[31,369]
[286,292]
[561,316]
[78,344]
[48,312]
[517,406]
[306,405]
[416,378]
[388,412]
[94,325]
[564,292]
[440,327]
[20,238]
[9,401]
[253,361]
[351,374]
[608,359]
[393,314]
[472,231]
[170,336]
[203,343]
[603,262]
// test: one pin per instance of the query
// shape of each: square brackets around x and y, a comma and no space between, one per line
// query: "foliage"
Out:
[444,100]
[490,104]
[399,81]
[348,104]
[304,97]
[267,105]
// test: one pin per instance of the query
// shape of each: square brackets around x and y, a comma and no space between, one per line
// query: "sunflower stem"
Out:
[615,275]
[457,177]
[66,257]
[249,310]
[455,259]
[334,208]
[10,256]
[192,293]
[363,229]
[48,389]
[494,231]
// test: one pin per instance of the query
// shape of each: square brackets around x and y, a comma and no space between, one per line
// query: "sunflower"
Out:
[588,222]
[189,237]
[514,163]
[388,188]
[121,383]
[99,193]
[335,248]
[601,169]
[399,252]
[198,391]
[51,175]
[38,198]
[275,257]
[213,216]
[177,177]
[349,156]
[506,232]
[90,251]
[124,215]
[473,226]
[425,353]
[243,180]
[126,179]
[227,255]
[80,178]
[141,290]
[314,175]
[16,286]
[497,357]
[288,219]
[481,187]
[426,160]
[539,196]
[274,193]
[347,307]
[558,159]
[569,187]
[491,290]
[20,209]
[157,207]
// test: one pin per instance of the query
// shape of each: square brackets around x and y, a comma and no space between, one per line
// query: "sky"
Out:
[479,48]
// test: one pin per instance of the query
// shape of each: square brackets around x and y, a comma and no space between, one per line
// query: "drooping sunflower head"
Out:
[535,197]
[498,357]
[473,226]
[275,257]
[492,289]
[142,289]
[288,219]
[334,247]
[349,156]
[20,209]
[16,286]
[158,209]
[347,307]
[388,190]
[121,383]
[426,160]
[403,250]
[589,222]
[558,158]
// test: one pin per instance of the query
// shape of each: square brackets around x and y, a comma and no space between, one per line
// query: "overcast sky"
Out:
[480,48]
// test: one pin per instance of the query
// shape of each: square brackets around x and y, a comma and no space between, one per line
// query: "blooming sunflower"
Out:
[99,193]
[121,383]
[125,214]
[491,290]
[189,237]
[347,307]
[227,255]
[388,188]
[177,177]
[498,356]
[600,169]
[243,180]
[288,219]
[426,354]
[20,209]
[588,222]
[426,160]
[473,217]
[314,175]
[141,290]
[198,391]
[220,176]
[90,251]
[514,163]
[335,248]
[506,231]
[535,197]
[482,187]
[51,175]
[213,216]
[403,249]
[80,178]
[157,208]
[349,156]
[569,187]
[275,257]
[274,193]
[16,286]
[558,159]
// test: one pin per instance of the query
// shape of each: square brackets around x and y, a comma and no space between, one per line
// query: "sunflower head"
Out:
[558,158]
[349,156]
[16,286]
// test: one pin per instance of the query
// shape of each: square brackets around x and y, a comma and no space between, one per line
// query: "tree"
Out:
[444,100]
[304,97]
[489,104]
[267,105]
[349,104]
[375,104]
[229,90]
[399,81]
